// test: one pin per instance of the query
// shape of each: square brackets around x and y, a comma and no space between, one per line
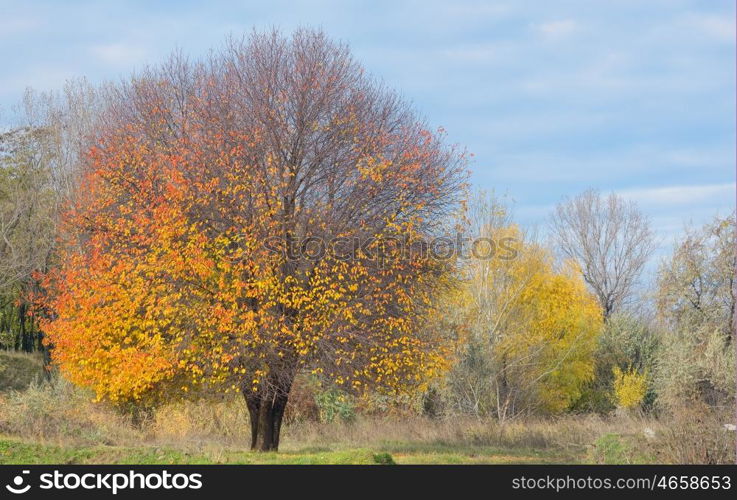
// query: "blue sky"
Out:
[552,97]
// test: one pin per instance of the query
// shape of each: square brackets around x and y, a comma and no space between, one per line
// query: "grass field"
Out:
[15,451]
[57,423]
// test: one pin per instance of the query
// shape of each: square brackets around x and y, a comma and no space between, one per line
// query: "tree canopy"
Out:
[187,258]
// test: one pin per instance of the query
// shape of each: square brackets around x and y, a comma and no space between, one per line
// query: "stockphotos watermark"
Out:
[113,482]
[382,249]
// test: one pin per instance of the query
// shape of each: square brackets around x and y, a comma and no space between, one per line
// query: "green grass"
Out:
[19,452]
[18,370]
[618,449]
[448,453]
[14,451]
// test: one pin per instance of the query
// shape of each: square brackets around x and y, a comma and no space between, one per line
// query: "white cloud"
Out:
[41,77]
[721,28]
[480,52]
[10,26]
[593,168]
[557,29]
[477,9]
[119,53]
[682,195]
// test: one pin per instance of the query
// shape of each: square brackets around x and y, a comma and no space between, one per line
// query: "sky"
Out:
[551,97]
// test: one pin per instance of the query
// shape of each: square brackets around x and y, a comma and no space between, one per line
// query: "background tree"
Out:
[188,258]
[69,118]
[695,302]
[26,229]
[609,238]
[39,169]
[532,330]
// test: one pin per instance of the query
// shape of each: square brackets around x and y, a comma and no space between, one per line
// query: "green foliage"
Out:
[628,342]
[384,459]
[335,404]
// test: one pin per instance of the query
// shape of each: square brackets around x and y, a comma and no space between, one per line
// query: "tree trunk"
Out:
[266,410]
[25,336]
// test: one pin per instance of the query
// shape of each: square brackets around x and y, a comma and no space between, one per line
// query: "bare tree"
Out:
[611,240]
[68,119]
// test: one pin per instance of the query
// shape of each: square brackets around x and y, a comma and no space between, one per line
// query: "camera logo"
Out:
[18,482]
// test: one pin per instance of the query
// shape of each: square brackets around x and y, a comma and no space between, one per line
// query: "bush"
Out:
[58,410]
[695,300]
[384,459]
[697,435]
[18,370]
[630,388]
[302,406]
[628,345]
[334,403]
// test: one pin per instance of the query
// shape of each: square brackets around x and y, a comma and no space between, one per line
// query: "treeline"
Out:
[40,161]
[571,325]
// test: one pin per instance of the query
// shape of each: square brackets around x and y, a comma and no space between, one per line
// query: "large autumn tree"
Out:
[246,217]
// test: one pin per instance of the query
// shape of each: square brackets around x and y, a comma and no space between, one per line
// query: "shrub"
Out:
[58,410]
[697,435]
[695,300]
[384,459]
[630,387]
[18,370]
[333,404]
[629,343]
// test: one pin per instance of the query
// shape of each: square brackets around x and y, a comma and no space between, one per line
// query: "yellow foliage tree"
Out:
[538,326]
